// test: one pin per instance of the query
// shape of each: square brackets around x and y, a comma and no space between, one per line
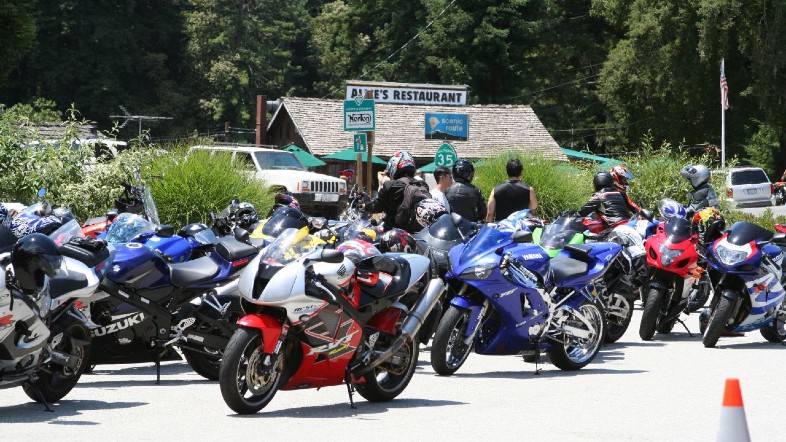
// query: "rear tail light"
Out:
[772,189]
[729,192]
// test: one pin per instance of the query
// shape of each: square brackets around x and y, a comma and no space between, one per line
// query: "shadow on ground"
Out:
[362,409]
[33,412]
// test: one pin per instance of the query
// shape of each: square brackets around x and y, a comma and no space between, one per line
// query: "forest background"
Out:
[602,75]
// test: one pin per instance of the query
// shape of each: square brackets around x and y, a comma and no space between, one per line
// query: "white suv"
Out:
[749,186]
[317,194]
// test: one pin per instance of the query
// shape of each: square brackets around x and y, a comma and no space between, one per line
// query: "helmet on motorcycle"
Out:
[621,175]
[284,218]
[191,229]
[357,249]
[5,216]
[697,174]
[602,180]
[400,164]
[428,210]
[34,258]
[246,214]
[464,170]
[397,241]
[284,200]
[41,209]
[709,223]
[669,208]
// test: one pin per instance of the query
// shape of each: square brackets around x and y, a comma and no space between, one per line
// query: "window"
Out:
[753,176]
[278,160]
[243,161]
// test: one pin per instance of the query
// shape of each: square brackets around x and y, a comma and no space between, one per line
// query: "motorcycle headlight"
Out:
[481,271]
[667,256]
[730,254]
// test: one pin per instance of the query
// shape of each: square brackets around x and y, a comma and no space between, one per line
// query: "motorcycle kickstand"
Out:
[158,370]
[685,326]
[350,390]
[43,400]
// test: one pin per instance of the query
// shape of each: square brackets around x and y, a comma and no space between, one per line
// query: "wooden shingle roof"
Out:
[493,129]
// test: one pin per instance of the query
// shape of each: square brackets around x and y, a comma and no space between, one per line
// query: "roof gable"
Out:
[493,129]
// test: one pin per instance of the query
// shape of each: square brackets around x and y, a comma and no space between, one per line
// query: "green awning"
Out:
[428,168]
[575,154]
[306,158]
[349,155]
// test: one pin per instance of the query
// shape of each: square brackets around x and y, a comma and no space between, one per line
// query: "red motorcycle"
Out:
[316,318]
[674,270]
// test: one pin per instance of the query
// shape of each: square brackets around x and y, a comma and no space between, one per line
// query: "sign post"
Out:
[359,115]
[445,156]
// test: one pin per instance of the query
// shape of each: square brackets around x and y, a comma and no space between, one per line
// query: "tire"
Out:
[204,365]
[244,347]
[777,331]
[384,383]
[574,357]
[448,353]
[717,323]
[618,316]
[55,381]
[649,317]
[665,327]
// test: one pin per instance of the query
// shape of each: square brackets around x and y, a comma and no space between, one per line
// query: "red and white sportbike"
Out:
[316,318]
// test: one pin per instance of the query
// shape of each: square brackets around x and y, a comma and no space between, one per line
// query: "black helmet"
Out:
[34,257]
[602,180]
[246,215]
[463,169]
[397,241]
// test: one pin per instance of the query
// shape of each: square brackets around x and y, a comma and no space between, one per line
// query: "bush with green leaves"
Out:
[188,186]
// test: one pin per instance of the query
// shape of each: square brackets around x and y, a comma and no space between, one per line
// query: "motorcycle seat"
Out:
[564,267]
[231,249]
[393,265]
[64,283]
[192,272]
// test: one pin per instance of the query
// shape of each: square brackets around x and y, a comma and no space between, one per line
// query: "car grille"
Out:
[324,187]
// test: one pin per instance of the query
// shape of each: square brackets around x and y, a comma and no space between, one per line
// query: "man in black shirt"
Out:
[512,195]
[464,197]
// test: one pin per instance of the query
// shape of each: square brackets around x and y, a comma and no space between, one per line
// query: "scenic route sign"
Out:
[447,127]
[359,115]
[445,156]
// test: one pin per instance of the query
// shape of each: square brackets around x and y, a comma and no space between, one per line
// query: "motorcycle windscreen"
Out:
[290,245]
[278,223]
[743,232]
[126,226]
[677,229]
[488,239]
[65,232]
[559,233]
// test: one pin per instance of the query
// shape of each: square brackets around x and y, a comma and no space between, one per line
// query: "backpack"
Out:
[414,192]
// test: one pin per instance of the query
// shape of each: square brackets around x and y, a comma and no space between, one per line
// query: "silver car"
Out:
[749,186]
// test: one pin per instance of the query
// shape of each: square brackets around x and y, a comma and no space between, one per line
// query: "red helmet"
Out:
[621,175]
[397,241]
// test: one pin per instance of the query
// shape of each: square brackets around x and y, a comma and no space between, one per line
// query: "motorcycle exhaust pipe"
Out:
[227,289]
[412,323]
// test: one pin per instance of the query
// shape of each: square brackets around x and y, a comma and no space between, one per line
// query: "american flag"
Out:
[724,87]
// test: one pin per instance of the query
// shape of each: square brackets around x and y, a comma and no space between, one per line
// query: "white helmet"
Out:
[428,210]
[697,174]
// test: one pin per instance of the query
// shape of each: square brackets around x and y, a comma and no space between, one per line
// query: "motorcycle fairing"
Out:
[269,327]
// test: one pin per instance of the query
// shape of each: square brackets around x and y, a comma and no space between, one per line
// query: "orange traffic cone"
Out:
[733,425]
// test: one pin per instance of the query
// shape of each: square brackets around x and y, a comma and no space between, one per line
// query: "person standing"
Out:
[703,194]
[512,195]
[444,179]
[465,198]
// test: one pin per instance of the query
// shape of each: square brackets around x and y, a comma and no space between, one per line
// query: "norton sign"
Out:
[407,93]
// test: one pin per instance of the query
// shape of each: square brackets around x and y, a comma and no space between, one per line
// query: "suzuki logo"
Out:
[129,320]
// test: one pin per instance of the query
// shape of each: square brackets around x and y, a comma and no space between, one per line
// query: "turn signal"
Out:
[696,273]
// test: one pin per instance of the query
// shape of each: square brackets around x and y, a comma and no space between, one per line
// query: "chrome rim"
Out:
[457,351]
[252,381]
[618,309]
[580,350]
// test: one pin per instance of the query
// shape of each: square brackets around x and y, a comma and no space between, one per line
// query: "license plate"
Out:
[752,191]
[326,197]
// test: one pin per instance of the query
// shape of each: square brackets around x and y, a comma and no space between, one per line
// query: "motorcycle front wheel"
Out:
[389,379]
[651,313]
[54,381]
[246,386]
[576,352]
[619,312]
[448,350]
[717,323]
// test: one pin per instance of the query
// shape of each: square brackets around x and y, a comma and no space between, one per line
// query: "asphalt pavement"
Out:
[776,210]
[668,389]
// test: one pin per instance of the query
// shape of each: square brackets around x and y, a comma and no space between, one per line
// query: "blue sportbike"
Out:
[510,299]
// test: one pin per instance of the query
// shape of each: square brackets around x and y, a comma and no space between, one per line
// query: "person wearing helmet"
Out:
[607,201]
[465,198]
[401,170]
[284,200]
[512,195]
[703,194]
[622,176]
[35,258]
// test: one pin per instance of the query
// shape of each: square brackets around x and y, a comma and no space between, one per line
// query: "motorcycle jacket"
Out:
[702,197]
[609,204]
[466,200]
[388,199]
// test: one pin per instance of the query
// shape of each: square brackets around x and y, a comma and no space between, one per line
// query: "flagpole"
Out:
[723,125]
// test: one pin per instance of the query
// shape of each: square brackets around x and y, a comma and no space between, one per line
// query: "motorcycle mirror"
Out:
[331,256]
[522,236]
[111,215]
[456,218]
[136,174]
[41,192]
[779,239]
[241,234]
[234,201]
[212,216]
[647,214]
[165,231]
[318,223]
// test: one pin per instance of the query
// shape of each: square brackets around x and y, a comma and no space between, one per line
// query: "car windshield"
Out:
[278,160]
[753,176]
[290,245]
[126,226]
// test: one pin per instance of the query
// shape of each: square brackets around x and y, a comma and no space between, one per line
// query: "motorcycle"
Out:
[40,217]
[749,293]
[154,305]
[44,337]
[780,193]
[135,199]
[674,271]
[510,298]
[316,318]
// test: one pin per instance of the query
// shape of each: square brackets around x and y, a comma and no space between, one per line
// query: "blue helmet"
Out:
[670,209]
[399,163]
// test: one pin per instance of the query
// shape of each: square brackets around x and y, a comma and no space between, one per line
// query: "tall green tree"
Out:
[17,34]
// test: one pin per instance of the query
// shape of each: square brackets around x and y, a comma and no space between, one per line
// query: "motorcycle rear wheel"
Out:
[573,357]
[448,351]
[717,323]
[55,381]
[384,383]
[777,331]
[651,314]
[241,358]
[618,316]
[204,365]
